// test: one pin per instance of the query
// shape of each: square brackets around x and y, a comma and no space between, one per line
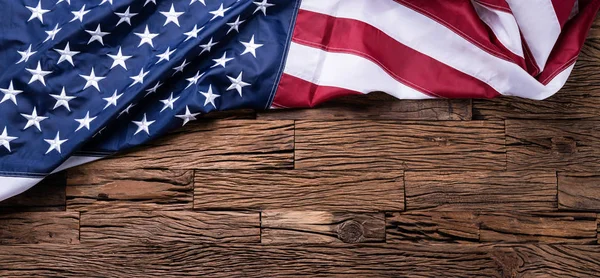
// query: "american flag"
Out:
[84,79]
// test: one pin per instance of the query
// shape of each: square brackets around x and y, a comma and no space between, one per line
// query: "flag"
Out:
[84,79]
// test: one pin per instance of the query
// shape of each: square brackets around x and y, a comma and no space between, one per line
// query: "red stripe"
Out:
[563,8]
[501,5]
[296,92]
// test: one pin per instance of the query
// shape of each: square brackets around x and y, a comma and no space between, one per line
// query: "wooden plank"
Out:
[48,195]
[90,190]
[564,228]
[322,227]
[579,191]
[39,227]
[377,106]
[220,144]
[129,226]
[480,191]
[458,227]
[345,145]
[299,190]
[553,145]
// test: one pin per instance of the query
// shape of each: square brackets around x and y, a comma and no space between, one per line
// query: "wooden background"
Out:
[362,186]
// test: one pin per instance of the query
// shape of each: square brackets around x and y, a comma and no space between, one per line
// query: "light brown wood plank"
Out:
[90,190]
[553,145]
[377,106]
[579,191]
[457,227]
[345,145]
[480,191]
[220,144]
[48,195]
[39,227]
[130,226]
[299,190]
[321,227]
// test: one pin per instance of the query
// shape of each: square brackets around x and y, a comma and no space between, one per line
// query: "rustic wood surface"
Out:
[363,186]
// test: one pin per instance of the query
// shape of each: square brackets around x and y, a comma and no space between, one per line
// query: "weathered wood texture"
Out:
[553,145]
[129,226]
[221,144]
[347,145]
[299,190]
[579,191]
[39,227]
[48,195]
[322,227]
[458,227]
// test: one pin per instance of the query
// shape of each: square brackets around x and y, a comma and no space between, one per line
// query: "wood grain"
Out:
[345,145]
[220,144]
[90,190]
[377,106]
[322,227]
[553,145]
[457,227]
[579,191]
[299,190]
[48,195]
[480,191]
[131,226]
[39,227]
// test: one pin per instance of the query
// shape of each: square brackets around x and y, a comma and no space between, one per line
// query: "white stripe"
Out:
[503,25]
[539,25]
[438,42]
[11,186]
[343,70]
[75,161]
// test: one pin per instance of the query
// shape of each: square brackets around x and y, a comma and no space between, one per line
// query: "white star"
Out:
[153,89]
[165,56]
[38,74]
[126,110]
[85,121]
[194,79]
[180,67]
[262,6]
[221,61]
[62,100]
[112,100]
[168,102]
[210,97]
[33,119]
[55,143]
[251,47]
[78,15]
[193,33]
[92,80]
[25,54]
[235,25]
[172,16]
[194,1]
[237,83]
[139,78]
[66,55]
[68,1]
[119,59]
[37,12]
[52,33]
[146,37]
[106,1]
[10,93]
[219,13]
[97,35]
[148,1]
[125,17]
[185,117]
[208,46]
[5,139]
[143,125]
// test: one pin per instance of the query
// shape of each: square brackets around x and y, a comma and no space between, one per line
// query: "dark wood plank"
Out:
[48,195]
[579,191]
[220,144]
[321,227]
[39,227]
[345,145]
[480,191]
[553,145]
[457,227]
[129,226]
[299,190]
[90,190]
[379,106]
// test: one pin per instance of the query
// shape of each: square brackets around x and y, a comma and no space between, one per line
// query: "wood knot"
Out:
[564,145]
[102,196]
[351,231]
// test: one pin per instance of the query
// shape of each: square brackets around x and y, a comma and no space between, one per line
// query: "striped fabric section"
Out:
[414,49]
